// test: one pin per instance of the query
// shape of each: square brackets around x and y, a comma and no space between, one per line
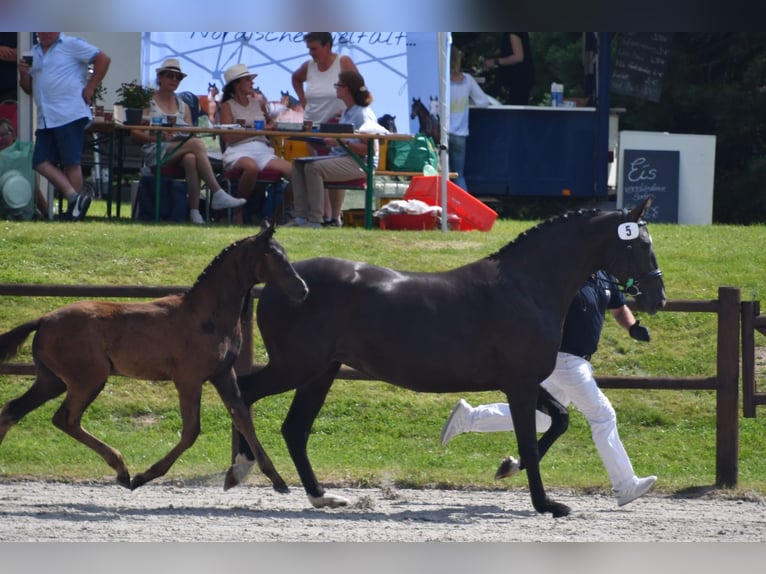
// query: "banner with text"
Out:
[397,66]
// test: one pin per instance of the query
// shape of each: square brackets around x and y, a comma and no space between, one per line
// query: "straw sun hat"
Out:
[236,72]
[171,65]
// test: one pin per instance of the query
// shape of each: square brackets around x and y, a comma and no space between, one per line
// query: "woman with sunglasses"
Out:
[248,153]
[190,154]
[311,173]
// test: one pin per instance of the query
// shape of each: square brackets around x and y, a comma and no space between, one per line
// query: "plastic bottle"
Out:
[557,95]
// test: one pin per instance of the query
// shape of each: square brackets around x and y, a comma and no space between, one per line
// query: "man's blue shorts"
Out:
[62,145]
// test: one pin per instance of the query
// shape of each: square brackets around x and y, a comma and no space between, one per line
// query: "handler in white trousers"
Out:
[572,382]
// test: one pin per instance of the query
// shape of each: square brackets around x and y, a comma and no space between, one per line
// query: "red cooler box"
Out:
[473,213]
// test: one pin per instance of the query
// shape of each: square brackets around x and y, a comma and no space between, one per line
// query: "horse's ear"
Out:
[639,212]
[267,229]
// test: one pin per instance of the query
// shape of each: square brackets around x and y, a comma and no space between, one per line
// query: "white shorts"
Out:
[257,150]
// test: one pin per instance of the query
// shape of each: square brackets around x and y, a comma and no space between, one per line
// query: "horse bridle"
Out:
[632,286]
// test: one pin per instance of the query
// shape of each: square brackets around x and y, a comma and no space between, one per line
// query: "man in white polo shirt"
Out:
[58,79]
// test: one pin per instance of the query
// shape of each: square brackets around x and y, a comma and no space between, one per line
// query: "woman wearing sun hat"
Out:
[251,154]
[190,154]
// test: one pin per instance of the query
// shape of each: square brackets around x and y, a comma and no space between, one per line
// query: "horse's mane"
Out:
[543,225]
[217,261]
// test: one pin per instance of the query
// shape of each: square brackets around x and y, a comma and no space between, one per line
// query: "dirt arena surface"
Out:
[165,512]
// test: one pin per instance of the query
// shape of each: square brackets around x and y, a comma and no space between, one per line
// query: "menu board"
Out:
[639,64]
[652,173]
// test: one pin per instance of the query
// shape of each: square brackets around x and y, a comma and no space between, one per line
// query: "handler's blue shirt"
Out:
[585,317]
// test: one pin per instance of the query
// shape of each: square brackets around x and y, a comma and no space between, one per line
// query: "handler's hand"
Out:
[639,332]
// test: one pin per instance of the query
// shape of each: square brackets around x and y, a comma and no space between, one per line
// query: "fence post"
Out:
[750,310]
[727,414]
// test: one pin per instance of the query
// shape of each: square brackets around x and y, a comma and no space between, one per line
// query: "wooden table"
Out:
[367,166]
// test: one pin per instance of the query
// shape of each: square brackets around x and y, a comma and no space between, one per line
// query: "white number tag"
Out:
[628,231]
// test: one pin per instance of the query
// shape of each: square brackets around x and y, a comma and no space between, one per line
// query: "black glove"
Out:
[639,333]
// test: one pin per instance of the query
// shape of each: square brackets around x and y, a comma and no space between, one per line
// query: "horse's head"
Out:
[388,122]
[632,260]
[416,103]
[273,266]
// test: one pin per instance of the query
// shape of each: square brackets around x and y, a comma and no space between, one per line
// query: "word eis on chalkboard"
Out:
[655,173]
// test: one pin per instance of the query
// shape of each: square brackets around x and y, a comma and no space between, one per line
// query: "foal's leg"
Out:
[46,387]
[523,413]
[226,385]
[189,397]
[69,416]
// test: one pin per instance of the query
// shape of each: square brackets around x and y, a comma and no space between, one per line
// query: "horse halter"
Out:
[629,232]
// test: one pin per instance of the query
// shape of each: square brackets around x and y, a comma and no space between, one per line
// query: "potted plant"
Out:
[98,100]
[134,98]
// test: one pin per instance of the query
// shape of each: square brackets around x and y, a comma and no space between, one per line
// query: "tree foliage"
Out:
[715,84]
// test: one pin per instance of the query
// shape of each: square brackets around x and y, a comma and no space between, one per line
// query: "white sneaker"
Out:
[302,222]
[457,422]
[222,200]
[297,222]
[638,487]
[196,217]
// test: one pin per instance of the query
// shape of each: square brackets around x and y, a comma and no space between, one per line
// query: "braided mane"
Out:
[543,225]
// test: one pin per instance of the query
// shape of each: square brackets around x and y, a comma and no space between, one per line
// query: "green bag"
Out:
[412,155]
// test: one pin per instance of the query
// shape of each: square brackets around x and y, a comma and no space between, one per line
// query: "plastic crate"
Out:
[473,213]
[410,221]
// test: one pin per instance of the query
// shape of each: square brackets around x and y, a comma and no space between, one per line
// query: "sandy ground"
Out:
[157,512]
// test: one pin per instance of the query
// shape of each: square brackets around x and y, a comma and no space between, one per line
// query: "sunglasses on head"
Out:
[340,85]
[173,75]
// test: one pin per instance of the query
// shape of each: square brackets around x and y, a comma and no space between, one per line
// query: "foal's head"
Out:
[272,265]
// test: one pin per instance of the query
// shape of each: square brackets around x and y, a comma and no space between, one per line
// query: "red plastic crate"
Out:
[411,221]
[473,213]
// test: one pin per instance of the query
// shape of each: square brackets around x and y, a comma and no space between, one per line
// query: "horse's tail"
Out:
[11,341]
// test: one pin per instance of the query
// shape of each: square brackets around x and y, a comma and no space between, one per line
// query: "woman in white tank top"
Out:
[318,98]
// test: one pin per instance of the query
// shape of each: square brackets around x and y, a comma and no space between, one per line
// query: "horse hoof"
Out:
[328,501]
[507,468]
[137,481]
[237,471]
[282,488]
[558,510]
[124,480]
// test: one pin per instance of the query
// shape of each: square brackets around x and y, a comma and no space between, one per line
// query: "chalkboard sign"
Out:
[655,173]
[640,63]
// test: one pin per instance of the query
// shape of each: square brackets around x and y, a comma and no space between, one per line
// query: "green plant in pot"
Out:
[134,98]
[98,99]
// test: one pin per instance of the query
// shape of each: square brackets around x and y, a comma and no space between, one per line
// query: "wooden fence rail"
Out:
[725,382]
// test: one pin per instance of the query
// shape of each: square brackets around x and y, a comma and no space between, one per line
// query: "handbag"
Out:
[412,155]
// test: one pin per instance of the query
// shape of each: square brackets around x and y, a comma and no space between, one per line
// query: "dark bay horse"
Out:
[429,123]
[187,338]
[494,324]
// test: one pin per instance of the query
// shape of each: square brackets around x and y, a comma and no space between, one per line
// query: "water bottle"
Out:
[557,95]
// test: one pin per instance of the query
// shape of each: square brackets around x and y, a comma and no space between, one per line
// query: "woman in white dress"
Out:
[249,153]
